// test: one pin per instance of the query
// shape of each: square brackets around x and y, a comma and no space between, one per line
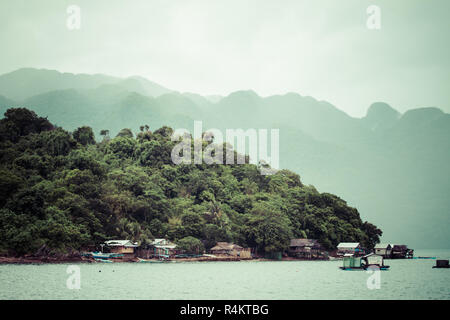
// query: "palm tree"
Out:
[105,134]
[215,212]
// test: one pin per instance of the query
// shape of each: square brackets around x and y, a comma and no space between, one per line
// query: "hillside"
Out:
[62,191]
[393,167]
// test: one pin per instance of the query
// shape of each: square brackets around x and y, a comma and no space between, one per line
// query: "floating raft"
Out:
[442,264]
[368,262]
[384,268]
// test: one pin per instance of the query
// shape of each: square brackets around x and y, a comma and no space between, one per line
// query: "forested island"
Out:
[64,191]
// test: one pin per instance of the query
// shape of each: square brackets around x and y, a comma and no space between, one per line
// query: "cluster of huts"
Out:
[164,249]
[312,249]
[307,249]
[386,250]
[394,251]
[161,248]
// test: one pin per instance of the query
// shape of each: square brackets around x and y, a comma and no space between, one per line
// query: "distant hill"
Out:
[380,117]
[393,167]
[27,82]
[5,102]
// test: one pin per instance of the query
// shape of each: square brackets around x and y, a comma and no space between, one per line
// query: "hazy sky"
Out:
[320,48]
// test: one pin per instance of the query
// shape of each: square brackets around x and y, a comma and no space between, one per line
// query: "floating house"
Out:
[353,248]
[442,264]
[351,262]
[373,259]
[306,249]
[401,251]
[125,247]
[383,249]
[369,261]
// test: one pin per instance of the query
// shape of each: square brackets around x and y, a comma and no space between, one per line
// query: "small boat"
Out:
[103,260]
[150,261]
[101,255]
[424,258]
[368,262]
[442,264]
[187,255]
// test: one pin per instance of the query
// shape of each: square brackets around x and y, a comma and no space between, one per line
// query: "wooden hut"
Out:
[369,261]
[125,247]
[383,249]
[353,248]
[306,249]
[163,248]
[401,251]
[225,248]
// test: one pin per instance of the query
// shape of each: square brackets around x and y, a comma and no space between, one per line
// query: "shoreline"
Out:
[54,260]
[43,260]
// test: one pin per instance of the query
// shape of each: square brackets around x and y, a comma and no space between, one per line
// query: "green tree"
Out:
[84,135]
[191,245]
[127,133]
[268,229]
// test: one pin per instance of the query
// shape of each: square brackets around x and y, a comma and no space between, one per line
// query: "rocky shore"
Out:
[44,260]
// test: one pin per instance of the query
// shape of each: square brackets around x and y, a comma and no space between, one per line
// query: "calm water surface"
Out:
[407,279]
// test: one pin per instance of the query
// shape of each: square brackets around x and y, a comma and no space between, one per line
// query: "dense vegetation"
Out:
[64,191]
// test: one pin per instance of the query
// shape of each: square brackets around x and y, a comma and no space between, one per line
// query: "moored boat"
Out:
[101,255]
[150,261]
[103,260]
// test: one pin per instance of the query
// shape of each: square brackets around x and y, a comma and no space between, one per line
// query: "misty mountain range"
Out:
[393,167]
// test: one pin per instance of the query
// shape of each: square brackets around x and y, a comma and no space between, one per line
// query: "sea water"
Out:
[406,279]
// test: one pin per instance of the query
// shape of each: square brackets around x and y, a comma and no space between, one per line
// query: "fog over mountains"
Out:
[394,168]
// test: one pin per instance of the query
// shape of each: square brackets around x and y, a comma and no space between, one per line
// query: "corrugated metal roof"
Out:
[371,254]
[120,243]
[166,246]
[161,241]
[303,243]
[348,244]
[382,245]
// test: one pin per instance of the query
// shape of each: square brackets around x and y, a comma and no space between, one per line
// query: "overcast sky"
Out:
[320,48]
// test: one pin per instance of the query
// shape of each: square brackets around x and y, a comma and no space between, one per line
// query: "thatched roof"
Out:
[225,246]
